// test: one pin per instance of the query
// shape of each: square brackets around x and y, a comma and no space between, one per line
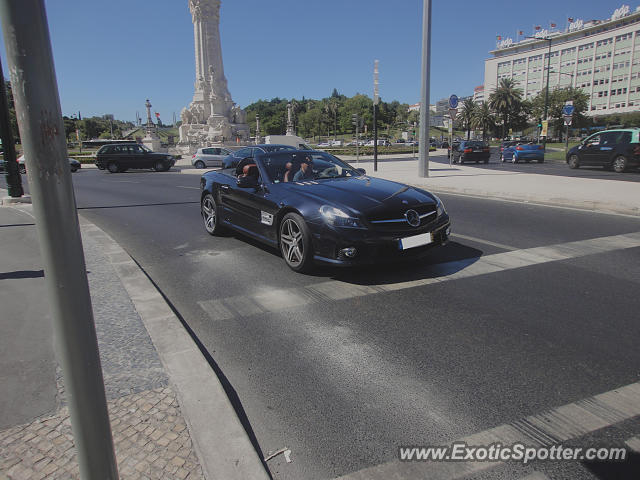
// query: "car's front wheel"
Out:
[574,161]
[209,211]
[295,242]
[113,167]
[620,164]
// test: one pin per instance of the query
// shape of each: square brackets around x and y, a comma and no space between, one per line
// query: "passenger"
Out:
[288,176]
[306,170]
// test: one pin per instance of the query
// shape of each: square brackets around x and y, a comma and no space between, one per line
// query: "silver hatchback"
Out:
[209,157]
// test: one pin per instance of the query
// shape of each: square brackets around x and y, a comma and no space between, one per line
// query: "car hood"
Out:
[363,195]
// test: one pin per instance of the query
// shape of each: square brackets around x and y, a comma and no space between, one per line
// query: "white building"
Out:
[478,94]
[600,56]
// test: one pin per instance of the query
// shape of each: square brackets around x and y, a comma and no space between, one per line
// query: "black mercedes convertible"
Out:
[316,208]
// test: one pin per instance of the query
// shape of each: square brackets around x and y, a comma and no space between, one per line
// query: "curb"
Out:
[221,442]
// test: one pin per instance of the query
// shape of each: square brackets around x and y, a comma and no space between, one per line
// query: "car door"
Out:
[589,152]
[608,143]
[254,209]
[136,157]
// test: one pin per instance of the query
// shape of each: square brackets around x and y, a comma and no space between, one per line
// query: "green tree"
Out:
[13,120]
[557,99]
[506,102]
[465,115]
[482,119]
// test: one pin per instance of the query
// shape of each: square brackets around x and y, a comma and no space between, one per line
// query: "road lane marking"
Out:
[543,430]
[282,299]
[486,242]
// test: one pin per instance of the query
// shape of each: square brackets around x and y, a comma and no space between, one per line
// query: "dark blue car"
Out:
[315,208]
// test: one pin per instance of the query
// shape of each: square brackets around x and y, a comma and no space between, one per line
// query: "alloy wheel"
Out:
[291,242]
[209,215]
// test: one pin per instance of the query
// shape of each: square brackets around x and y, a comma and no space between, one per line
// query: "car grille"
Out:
[395,221]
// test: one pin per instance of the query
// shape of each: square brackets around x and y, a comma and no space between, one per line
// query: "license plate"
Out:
[416,241]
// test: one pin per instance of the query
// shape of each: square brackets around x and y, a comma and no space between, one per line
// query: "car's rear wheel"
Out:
[620,164]
[160,166]
[199,164]
[574,161]
[514,159]
[295,242]
[113,167]
[74,169]
[209,211]
[22,168]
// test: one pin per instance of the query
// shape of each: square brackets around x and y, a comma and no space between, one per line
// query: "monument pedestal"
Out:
[152,142]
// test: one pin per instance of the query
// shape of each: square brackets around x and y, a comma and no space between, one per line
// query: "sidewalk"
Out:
[170,417]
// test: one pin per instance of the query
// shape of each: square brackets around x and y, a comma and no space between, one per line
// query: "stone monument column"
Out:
[151,139]
[289,121]
[212,116]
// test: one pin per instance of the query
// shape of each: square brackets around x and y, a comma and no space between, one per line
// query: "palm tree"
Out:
[482,118]
[465,115]
[504,100]
[331,109]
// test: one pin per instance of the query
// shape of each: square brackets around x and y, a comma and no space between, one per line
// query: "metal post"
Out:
[26,36]
[566,140]
[375,138]
[14,180]
[546,94]
[423,138]
[375,115]
[357,139]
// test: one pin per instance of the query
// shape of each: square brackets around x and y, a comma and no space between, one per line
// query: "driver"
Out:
[306,170]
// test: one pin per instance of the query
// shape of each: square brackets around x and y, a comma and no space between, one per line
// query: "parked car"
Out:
[209,157]
[617,149]
[124,156]
[471,151]
[74,164]
[329,212]
[523,151]
[444,144]
[233,158]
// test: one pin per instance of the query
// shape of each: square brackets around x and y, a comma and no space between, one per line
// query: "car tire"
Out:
[295,243]
[620,164]
[514,159]
[486,161]
[527,160]
[22,168]
[199,164]
[160,166]
[113,167]
[74,169]
[477,162]
[210,217]
[574,161]
[541,160]
[502,158]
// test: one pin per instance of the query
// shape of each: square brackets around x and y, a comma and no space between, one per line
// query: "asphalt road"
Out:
[549,168]
[345,379]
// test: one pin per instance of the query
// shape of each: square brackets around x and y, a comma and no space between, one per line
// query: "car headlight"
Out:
[338,218]
[439,206]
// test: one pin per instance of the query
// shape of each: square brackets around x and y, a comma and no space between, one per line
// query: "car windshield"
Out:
[283,167]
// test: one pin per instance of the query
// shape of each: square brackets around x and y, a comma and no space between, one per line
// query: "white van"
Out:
[292,140]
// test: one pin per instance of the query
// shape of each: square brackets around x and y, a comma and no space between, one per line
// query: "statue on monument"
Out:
[212,110]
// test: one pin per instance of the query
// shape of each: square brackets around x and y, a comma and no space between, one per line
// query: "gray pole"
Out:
[26,36]
[423,162]
[546,95]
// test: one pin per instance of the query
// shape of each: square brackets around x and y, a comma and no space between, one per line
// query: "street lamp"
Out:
[546,93]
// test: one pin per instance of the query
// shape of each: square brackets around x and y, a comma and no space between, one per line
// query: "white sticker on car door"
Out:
[266,218]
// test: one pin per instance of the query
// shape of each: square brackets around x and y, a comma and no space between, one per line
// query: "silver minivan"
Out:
[209,157]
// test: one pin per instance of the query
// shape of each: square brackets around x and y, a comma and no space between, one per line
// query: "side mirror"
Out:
[361,170]
[248,182]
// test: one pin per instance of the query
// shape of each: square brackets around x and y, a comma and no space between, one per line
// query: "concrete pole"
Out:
[26,36]
[423,162]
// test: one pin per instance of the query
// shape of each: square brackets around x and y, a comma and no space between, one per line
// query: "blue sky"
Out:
[112,55]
